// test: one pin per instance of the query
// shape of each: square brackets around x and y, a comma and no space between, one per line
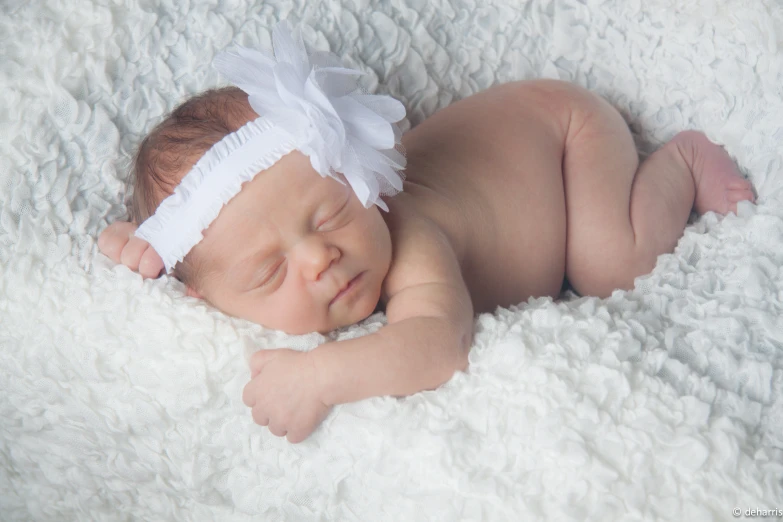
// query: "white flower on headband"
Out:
[316,99]
[310,104]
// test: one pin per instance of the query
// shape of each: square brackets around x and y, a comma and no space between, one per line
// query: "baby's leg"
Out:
[622,216]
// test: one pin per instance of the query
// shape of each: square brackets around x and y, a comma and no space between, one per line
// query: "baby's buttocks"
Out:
[488,171]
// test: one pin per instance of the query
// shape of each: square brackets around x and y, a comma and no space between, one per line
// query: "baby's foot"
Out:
[719,185]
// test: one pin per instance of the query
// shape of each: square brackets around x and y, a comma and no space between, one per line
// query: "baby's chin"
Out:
[333,323]
[356,315]
[345,322]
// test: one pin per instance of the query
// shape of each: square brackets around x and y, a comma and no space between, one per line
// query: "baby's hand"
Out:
[285,393]
[119,244]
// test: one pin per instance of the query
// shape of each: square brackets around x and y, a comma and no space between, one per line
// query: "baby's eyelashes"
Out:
[333,220]
[260,279]
[268,277]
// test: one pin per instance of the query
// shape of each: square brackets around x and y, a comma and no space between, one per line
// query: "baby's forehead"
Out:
[267,203]
[285,196]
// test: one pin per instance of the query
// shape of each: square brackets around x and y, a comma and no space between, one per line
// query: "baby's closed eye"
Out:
[268,275]
[335,217]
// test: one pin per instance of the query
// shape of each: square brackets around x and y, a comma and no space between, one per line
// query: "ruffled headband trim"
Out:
[178,223]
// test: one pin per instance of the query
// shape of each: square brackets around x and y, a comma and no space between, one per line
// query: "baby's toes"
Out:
[740,184]
[740,194]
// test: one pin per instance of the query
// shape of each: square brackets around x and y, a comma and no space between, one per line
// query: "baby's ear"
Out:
[193,293]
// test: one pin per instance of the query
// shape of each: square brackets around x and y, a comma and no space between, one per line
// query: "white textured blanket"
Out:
[120,399]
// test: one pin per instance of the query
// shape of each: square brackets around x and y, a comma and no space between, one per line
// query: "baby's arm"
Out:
[428,338]
[119,244]
[429,331]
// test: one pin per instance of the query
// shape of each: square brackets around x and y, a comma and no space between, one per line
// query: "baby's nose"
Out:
[316,256]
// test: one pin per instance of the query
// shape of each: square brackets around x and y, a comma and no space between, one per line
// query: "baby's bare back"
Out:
[488,171]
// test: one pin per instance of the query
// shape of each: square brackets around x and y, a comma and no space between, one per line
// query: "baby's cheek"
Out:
[375,239]
[293,313]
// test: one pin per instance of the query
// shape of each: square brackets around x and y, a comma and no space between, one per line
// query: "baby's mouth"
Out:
[350,287]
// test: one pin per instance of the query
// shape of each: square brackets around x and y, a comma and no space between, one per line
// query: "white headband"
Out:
[307,103]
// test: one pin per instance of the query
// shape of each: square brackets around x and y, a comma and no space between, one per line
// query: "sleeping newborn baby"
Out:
[505,194]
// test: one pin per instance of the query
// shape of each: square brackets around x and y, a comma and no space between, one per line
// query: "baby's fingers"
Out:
[114,238]
[249,394]
[132,252]
[259,359]
[150,264]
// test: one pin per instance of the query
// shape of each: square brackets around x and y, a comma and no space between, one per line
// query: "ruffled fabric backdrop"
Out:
[121,398]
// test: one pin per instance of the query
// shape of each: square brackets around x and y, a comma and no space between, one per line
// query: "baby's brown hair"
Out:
[174,146]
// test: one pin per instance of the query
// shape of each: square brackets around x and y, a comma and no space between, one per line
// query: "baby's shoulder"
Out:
[421,251]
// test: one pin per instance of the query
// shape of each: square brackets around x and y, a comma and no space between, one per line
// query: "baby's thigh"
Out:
[599,164]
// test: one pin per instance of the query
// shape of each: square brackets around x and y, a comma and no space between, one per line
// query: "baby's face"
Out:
[282,249]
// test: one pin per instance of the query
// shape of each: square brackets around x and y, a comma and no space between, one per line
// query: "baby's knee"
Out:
[603,275]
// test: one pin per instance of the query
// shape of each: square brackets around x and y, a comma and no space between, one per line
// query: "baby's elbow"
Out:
[447,370]
[453,341]
[459,361]
[464,344]
[462,362]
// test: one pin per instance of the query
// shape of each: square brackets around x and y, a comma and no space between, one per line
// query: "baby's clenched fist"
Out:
[285,393]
